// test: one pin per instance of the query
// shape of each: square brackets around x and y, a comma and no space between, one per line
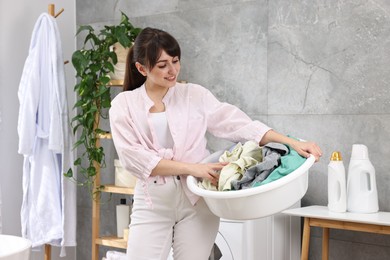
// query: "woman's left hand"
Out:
[303,148]
[306,148]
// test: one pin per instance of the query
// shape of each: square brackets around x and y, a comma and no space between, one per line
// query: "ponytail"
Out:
[133,78]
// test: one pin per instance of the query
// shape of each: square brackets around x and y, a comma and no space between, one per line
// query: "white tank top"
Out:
[161,126]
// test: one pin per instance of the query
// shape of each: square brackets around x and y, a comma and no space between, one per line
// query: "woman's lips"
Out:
[172,78]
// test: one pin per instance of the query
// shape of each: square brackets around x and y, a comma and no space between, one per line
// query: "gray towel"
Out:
[259,172]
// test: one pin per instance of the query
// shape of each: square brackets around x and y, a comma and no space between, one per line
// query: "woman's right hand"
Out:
[208,171]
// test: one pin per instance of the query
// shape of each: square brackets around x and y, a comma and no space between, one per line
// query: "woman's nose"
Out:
[172,69]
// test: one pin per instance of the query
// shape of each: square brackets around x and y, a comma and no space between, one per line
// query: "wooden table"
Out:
[320,216]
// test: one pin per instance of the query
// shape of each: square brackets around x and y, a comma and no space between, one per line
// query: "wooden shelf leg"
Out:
[305,239]
[47,252]
[96,203]
[325,243]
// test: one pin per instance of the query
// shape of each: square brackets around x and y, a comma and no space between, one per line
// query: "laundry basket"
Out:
[256,202]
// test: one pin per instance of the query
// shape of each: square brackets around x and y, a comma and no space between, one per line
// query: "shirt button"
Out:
[178,177]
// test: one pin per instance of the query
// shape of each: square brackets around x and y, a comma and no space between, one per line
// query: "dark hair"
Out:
[146,50]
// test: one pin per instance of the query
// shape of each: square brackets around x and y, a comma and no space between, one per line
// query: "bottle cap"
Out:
[359,152]
[123,201]
[336,156]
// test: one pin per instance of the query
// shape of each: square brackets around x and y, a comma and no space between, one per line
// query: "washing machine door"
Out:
[223,247]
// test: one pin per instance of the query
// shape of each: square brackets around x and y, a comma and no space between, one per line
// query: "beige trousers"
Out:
[172,222]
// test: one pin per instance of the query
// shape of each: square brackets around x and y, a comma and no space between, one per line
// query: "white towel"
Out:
[1,222]
[48,213]
[115,255]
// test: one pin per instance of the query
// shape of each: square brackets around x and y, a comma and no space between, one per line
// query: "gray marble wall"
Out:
[313,69]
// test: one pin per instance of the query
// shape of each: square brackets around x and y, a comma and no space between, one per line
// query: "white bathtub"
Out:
[14,248]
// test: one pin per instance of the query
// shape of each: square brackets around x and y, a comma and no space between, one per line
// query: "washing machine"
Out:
[230,240]
[275,237]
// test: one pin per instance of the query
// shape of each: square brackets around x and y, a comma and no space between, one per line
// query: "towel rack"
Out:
[51,11]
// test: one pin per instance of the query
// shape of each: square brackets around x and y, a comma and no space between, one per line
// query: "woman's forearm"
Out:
[305,149]
[168,167]
[273,136]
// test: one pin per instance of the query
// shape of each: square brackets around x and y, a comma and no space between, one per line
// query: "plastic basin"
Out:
[257,202]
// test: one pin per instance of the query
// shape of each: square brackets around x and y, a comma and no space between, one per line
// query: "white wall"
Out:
[17,19]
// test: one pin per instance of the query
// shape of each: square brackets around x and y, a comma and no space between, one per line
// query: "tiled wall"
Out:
[318,70]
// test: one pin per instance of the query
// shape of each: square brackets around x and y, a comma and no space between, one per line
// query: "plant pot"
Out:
[120,66]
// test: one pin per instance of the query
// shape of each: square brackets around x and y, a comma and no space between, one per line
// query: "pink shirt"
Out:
[191,111]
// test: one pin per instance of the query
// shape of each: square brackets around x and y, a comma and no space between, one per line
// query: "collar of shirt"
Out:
[149,103]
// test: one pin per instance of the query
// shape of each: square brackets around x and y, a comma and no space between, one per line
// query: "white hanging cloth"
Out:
[48,212]
[1,219]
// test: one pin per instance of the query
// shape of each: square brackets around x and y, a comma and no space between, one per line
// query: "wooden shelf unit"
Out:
[117,189]
[116,83]
[97,240]
[112,241]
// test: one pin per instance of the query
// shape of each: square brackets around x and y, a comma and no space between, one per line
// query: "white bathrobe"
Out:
[48,212]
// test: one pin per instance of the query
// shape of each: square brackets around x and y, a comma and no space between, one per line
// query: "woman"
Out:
[158,127]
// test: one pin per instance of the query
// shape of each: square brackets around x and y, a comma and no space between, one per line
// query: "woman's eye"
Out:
[162,66]
[176,61]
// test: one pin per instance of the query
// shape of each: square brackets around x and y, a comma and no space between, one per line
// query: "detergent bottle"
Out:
[122,217]
[361,184]
[337,187]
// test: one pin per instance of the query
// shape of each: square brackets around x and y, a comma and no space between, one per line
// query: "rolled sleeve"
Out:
[134,156]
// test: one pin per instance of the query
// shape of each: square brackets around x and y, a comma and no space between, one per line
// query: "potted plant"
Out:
[94,63]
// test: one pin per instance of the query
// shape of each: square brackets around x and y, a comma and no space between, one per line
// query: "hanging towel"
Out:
[1,221]
[48,212]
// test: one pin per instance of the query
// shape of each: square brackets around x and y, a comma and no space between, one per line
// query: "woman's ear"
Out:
[141,68]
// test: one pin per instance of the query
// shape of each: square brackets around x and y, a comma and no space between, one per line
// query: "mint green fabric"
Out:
[289,163]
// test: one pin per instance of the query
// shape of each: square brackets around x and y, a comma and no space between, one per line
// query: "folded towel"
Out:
[115,255]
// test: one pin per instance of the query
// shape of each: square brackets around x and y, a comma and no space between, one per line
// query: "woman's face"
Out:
[164,73]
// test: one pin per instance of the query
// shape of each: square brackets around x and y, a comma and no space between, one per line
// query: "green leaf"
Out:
[113,57]
[76,118]
[105,79]
[106,100]
[93,38]
[77,162]
[79,61]
[124,40]
[124,19]
[110,67]
[79,103]
[75,128]
[91,171]
[69,173]
[135,33]
[95,68]
[83,28]
[79,142]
